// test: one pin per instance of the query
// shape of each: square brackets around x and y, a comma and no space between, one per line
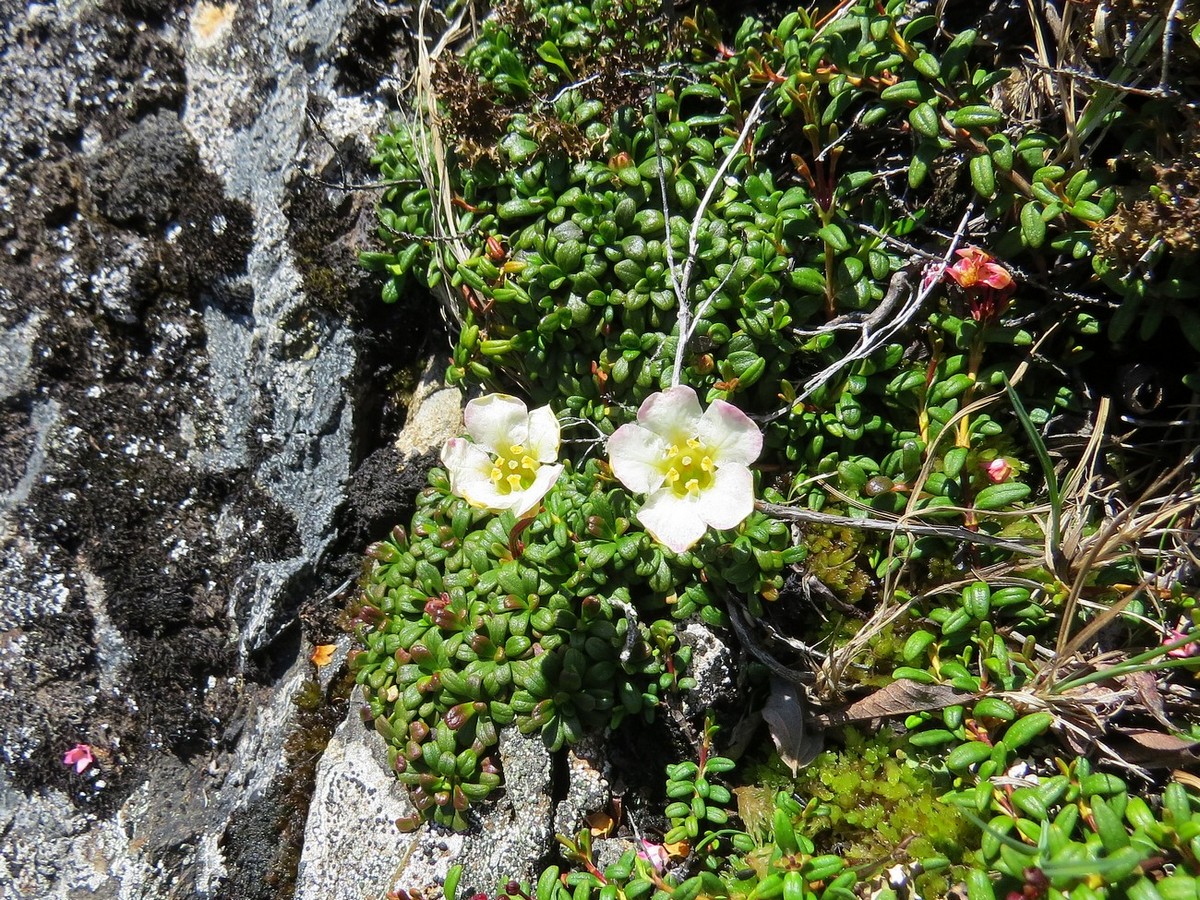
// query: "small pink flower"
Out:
[80,756]
[655,854]
[998,470]
[1179,633]
[986,283]
[977,267]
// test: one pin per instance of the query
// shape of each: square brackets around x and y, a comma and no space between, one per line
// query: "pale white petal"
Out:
[464,461]
[637,456]
[733,436]
[673,413]
[544,435]
[497,421]
[524,502]
[485,494]
[672,520]
[729,499]
[470,471]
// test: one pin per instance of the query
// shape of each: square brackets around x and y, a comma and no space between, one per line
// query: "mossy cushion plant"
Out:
[560,620]
[832,261]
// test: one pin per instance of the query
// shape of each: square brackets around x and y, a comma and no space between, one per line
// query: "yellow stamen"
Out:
[514,470]
[690,467]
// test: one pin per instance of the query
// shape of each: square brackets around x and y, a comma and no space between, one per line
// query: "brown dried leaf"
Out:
[1145,685]
[1187,779]
[322,654]
[900,698]
[1154,748]
[600,824]
[784,715]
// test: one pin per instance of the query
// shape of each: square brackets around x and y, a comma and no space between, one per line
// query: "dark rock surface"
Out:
[192,371]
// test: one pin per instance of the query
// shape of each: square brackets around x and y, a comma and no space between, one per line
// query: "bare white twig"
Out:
[878,328]
[685,315]
[1167,39]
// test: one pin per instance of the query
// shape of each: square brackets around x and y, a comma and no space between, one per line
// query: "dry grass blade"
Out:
[894,525]
[1079,487]
[1160,503]
[430,150]
[830,677]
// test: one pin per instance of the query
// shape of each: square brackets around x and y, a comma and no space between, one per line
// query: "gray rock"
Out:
[181,415]
[352,847]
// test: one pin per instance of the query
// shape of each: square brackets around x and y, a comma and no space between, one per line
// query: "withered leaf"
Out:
[322,654]
[784,715]
[1154,749]
[600,824]
[900,698]
[1145,685]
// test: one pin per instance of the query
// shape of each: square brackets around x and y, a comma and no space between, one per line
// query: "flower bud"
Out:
[998,470]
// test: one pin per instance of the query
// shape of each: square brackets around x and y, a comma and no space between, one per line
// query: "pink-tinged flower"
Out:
[655,854]
[693,465]
[977,267]
[998,470]
[80,756]
[1179,633]
[506,468]
[986,283]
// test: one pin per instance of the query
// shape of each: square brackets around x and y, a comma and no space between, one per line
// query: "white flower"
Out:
[506,466]
[693,465]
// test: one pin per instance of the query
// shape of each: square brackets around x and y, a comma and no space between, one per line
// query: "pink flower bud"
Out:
[80,756]
[655,854]
[998,470]
[1179,633]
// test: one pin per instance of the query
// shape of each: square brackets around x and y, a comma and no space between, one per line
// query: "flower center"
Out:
[690,468]
[514,470]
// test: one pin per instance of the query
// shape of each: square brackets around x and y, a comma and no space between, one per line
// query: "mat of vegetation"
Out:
[863,336]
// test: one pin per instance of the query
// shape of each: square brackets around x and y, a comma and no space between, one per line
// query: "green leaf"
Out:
[1025,729]
[918,169]
[975,117]
[966,755]
[928,66]
[550,53]
[1033,229]
[833,235]
[983,176]
[809,280]
[1088,211]
[902,92]
[924,120]
[956,52]
[998,496]
[1043,455]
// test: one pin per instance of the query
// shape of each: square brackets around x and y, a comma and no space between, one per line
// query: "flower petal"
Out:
[733,436]
[466,464]
[673,413]
[522,503]
[497,421]
[672,520]
[544,435]
[484,494]
[636,455]
[995,276]
[728,500]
